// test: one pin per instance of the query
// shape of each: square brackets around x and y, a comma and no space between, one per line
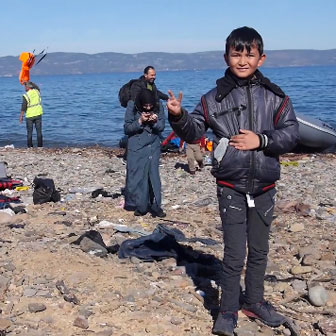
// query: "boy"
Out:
[253,123]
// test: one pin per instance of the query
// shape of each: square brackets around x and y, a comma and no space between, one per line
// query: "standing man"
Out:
[32,107]
[146,81]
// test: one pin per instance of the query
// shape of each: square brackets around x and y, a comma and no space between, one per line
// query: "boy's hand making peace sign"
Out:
[174,104]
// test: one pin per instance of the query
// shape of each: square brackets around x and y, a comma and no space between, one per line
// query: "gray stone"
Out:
[299,285]
[4,324]
[318,296]
[36,307]
[81,322]
[89,246]
[301,269]
[29,292]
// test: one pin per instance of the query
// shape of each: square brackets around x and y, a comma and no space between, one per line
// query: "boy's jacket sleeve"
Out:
[285,136]
[189,127]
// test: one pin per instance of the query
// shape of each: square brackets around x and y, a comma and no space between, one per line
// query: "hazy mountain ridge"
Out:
[80,63]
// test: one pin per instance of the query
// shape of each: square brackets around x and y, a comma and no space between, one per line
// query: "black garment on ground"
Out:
[157,246]
[161,244]
[97,238]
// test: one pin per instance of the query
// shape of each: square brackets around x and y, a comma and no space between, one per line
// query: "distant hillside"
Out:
[80,63]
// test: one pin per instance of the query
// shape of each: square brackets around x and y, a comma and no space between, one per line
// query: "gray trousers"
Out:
[244,226]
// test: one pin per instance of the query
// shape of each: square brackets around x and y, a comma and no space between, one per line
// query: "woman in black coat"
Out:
[144,121]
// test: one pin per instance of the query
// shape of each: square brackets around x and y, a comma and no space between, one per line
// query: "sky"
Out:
[135,26]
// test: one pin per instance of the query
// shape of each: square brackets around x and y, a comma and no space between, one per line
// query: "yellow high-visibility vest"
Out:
[34,106]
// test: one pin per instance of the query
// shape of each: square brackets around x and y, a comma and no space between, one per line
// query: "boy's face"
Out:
[243,63]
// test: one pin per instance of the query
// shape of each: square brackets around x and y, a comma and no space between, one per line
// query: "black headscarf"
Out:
[144,97]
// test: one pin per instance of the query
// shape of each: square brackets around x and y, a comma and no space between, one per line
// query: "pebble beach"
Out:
[52,285]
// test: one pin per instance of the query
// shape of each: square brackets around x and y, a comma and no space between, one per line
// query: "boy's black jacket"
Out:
[243,104]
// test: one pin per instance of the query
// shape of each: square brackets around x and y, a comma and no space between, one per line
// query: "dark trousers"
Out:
[38,126]
[244,226]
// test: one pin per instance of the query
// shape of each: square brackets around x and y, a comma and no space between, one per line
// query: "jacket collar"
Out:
[227,83]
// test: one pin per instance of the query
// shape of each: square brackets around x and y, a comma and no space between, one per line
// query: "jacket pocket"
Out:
[232,206]
[230,119]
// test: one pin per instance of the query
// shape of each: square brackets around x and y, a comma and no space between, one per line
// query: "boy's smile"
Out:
[243,63]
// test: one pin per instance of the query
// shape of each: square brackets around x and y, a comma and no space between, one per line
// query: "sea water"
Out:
[84,110]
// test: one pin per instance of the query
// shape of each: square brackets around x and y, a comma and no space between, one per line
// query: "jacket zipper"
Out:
[252,154]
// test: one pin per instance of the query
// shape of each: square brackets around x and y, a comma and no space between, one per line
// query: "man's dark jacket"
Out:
[140,84]
[253,104]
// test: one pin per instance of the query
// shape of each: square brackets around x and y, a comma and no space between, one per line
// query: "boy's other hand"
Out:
[174,104]
[246,140]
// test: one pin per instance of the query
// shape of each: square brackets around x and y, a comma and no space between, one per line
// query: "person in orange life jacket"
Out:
[253,122]
[194,153]
[32,108]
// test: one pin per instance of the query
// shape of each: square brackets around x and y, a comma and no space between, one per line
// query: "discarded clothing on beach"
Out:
[123,228]
[159,245]
[104,193]
[97,246]
[180,237]
[9,183]
[5,201]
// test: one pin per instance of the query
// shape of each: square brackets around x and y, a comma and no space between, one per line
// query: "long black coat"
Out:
[143,185]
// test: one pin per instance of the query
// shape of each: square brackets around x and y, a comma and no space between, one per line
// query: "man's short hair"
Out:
[29,85]
[149,67]
[244,37]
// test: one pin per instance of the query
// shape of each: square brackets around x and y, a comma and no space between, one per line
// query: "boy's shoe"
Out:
[159,213]
[138,213]
[264,312]
[192,172]
[225,323]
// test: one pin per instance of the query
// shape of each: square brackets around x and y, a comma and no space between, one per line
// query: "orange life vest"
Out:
[28,60]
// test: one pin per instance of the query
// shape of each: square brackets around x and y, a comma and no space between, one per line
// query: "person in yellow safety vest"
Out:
[32,107]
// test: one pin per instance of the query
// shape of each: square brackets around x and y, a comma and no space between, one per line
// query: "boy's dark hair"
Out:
[244,37]
[149,67]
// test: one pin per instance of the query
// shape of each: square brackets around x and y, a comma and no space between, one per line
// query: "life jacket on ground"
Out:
[34,104]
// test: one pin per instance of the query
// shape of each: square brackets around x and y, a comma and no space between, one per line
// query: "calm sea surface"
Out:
[83,110]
